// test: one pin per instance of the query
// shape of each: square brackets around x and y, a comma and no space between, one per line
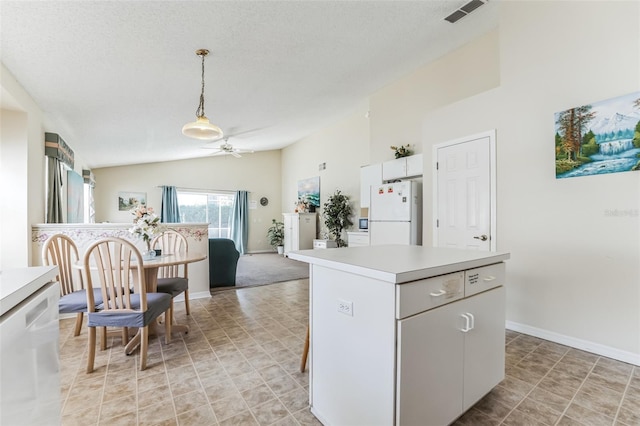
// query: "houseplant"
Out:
[402,151]
[275,234]
[337,216]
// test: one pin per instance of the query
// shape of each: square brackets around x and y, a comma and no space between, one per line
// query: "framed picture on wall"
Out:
[598,138]
[309,190]
[128,200]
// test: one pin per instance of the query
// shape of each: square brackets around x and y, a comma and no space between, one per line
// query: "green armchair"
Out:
[223,262]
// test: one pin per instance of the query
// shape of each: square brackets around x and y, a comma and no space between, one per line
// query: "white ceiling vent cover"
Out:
[464,11]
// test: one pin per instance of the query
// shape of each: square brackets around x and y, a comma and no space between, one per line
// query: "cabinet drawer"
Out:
[481,279]
[324,244]
[361,239]
[419,296]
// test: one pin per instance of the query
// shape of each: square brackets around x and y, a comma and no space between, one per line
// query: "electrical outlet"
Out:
[345,307]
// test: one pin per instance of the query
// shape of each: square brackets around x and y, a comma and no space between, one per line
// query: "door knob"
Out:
[481,238]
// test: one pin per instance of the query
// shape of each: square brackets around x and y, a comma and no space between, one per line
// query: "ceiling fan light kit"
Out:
[202,128]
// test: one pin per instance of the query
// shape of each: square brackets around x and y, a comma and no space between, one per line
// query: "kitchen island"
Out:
[403,335]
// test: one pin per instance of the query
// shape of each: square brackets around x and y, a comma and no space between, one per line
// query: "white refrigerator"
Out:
[395,213]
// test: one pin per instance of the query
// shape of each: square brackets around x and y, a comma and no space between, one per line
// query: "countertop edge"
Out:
[400,277]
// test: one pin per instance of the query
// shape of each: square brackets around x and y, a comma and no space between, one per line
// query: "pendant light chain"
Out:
[200,110]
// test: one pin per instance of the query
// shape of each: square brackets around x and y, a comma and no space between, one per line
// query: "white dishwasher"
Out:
[29,338]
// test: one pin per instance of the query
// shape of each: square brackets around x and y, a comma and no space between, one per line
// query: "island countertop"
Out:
[398,264]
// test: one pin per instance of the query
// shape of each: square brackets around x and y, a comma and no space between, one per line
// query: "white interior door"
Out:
[464,193]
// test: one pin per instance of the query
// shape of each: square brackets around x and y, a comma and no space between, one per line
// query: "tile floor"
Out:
[240,365]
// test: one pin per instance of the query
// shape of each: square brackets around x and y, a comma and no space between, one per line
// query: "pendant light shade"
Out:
[202,128]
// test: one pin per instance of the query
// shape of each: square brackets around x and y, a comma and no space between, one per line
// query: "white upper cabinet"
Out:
[402,167]
[369,175]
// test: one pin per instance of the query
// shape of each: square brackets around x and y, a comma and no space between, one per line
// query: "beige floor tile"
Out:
[240,365]
[200,416]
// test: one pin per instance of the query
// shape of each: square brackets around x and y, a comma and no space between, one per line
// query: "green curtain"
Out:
[54,193]
[240,221]
[169,212]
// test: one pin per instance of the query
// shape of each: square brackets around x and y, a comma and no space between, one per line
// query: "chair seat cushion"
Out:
[172,286]
[77,301]
[157,303]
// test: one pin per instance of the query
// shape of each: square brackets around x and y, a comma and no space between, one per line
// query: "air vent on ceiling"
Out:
[464,11]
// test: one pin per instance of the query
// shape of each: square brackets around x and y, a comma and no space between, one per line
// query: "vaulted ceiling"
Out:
[118,79]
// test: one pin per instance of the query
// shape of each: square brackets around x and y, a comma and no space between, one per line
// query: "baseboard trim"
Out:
[585,345]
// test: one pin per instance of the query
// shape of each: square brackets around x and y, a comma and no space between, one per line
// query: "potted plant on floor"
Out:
[337,216]
[275,234]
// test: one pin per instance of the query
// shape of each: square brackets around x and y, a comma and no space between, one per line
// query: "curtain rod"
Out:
[203,190]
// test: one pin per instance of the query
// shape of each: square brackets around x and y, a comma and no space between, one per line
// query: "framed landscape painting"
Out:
[309,189]
[599,138]
[128,200]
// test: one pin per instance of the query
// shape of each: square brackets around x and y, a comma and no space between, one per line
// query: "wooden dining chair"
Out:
[117,267]
[173,279]
[61,251]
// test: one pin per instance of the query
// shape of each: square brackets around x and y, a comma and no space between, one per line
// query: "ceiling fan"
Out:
[226,148]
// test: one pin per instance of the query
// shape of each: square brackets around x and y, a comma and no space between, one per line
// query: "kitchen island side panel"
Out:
[352,354]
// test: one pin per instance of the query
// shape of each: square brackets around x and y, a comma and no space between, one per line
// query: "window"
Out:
[213,208]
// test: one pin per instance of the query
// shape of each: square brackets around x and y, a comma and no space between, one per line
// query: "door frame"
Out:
[491,134]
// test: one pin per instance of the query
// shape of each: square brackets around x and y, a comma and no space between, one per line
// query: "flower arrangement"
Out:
[402,151]
[302,205]
[146,224]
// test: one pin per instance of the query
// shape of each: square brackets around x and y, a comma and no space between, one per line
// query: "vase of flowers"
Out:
[146,224]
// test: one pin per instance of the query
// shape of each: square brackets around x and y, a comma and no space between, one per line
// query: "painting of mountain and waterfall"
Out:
[603,137]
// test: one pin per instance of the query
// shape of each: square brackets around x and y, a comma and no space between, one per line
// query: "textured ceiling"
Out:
[118,79]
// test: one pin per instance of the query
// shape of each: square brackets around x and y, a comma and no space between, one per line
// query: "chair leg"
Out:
[91,331]
[305,352]
[103,338]
[167,326]
[186,302]
[79,318]
[125,336]
[144,343]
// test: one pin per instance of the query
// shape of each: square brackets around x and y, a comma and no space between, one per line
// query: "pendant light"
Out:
[202,128]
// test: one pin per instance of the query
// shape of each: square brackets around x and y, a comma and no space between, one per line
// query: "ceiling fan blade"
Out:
[235,154]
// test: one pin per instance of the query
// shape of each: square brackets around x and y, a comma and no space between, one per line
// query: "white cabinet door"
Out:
[414,165]
[402,167]
[291,222]
[299,231]
[430,351]
[369,175]
[449,358]
[484,345]
[394,169]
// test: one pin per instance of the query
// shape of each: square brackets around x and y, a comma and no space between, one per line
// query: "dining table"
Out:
[151,266]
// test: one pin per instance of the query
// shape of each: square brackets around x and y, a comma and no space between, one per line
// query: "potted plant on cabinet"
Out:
[337,216]
[275,234]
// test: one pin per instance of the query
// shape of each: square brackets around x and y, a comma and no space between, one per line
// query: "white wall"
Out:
[574,275]
[344,147]
[398,109]
[22,174]
[258,173]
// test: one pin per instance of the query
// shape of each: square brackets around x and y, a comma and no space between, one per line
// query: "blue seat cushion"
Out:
[172,286]
[157,303]
[77,301]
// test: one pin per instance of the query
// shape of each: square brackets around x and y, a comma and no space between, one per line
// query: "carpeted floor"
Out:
[268,268]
